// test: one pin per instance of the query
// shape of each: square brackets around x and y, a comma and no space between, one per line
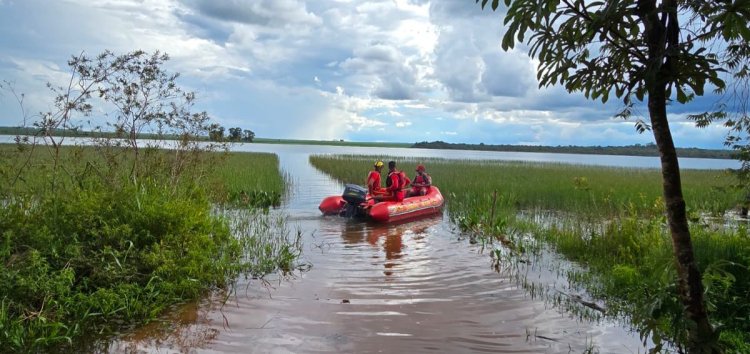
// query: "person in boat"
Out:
[422,183]
[395,184]
[373,180]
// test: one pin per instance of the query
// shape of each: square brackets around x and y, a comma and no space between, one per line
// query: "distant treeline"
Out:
[32,131]
[630,150]
[216,133]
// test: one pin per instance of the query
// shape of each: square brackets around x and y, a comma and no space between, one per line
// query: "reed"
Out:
[248,178]
[573,188]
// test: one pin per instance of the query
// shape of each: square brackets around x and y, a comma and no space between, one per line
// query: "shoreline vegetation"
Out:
[610,221]
[93,244]
[97,239]
[628,150]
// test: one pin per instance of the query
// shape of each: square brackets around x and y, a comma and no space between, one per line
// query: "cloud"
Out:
[266,13]
[339,69]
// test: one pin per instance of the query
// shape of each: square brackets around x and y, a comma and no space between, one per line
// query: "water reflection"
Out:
[389,238]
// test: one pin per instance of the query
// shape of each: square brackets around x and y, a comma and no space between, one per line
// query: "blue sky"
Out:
[390,70]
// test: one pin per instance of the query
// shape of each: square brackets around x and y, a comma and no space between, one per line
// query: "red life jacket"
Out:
[400,179]
[421,179]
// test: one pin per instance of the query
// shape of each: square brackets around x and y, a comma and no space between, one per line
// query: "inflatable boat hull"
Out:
[389,211]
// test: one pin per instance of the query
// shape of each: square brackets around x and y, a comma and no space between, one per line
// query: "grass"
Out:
[581,189]
[609,220]
[88,247]
[249,178]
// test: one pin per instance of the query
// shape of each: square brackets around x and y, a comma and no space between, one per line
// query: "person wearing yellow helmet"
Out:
[373,180]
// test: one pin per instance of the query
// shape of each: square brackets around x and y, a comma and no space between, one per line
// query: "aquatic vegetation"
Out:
[85,249]
[611,222]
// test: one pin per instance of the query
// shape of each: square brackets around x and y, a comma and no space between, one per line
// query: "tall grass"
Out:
[611,221]
[250,178]
[523,185]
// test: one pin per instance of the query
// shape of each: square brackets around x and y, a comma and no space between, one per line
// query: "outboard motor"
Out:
[354,195]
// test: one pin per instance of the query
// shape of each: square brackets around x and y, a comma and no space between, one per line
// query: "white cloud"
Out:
[372,63]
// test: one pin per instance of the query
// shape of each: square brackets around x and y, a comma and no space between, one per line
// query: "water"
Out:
[413,287]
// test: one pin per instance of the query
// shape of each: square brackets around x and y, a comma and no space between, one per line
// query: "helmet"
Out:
[420,168]
[379,164]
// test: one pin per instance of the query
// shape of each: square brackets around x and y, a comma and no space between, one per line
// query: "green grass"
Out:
[609,220]
[248,178]
[89,248]
[582,189]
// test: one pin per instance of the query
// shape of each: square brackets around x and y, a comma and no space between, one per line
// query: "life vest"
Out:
[373,181]
[401,180]
[421,179]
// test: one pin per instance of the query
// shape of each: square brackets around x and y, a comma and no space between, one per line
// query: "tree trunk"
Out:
[701,335]
[661,35]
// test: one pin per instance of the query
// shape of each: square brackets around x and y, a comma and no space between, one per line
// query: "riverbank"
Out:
[97,240]
[611,221]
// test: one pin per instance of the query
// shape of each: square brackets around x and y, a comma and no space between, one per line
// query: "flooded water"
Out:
[413,287]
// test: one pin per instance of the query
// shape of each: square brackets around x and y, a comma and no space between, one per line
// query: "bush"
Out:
[89,258]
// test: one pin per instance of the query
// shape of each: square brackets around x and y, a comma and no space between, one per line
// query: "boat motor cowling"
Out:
[355,194]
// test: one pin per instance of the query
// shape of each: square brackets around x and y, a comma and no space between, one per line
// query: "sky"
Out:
[376,70]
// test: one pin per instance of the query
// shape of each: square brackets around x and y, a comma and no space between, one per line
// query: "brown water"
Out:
[407,288]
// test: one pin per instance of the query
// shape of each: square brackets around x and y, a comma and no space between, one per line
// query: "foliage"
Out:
[216,132]
[601,47]
[237,134]
[248,135]
[87,259]
[145,97]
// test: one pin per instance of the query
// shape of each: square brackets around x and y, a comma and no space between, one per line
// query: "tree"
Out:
[235,134]
[641,50]
[249,135]
[216,132]
[144,95]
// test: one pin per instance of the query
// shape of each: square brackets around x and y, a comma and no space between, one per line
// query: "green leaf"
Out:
[681,97]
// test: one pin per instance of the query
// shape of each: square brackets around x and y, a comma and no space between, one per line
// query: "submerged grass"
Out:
[87,247]
[609,220]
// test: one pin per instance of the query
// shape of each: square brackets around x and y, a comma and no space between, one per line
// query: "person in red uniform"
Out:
[373,180]
[422,183]
[395,183]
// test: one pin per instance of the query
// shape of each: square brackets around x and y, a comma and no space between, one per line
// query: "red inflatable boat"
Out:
[356,202]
